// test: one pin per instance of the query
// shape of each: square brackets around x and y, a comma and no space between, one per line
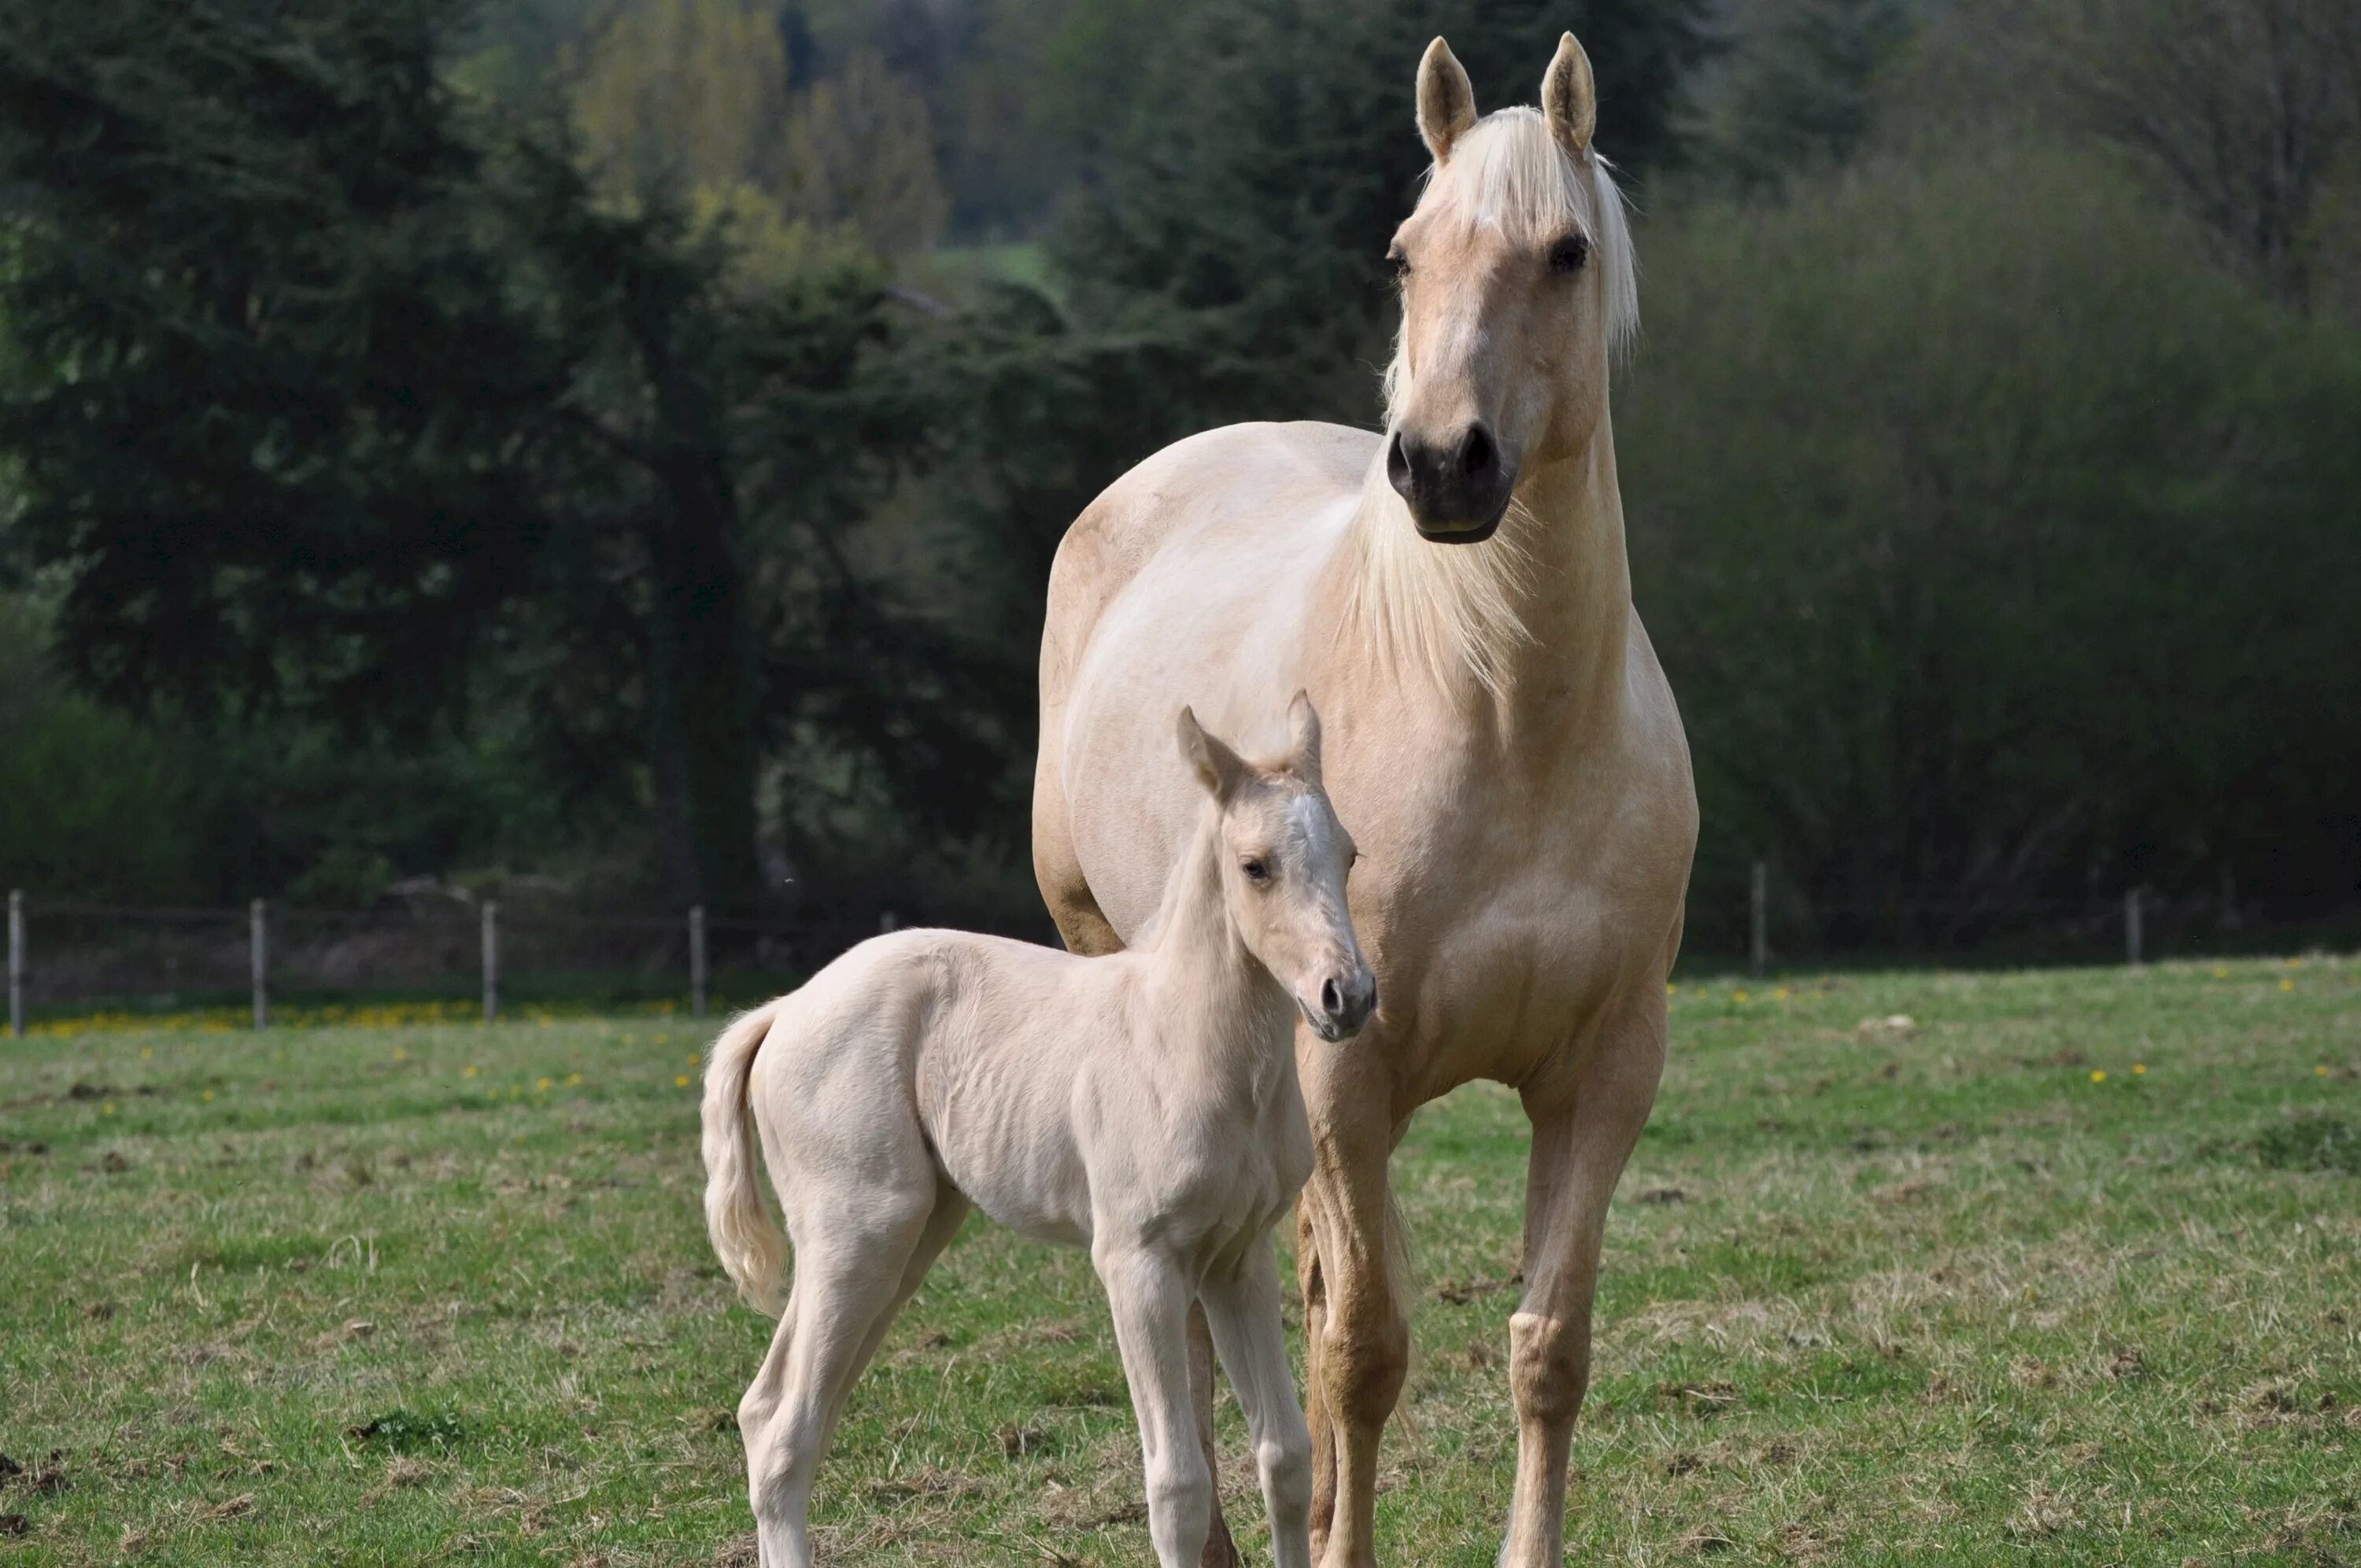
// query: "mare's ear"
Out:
[1303,731]
[1219,769]
[1569,99]
[1447,104]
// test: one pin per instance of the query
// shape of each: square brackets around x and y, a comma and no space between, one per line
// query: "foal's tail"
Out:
[751,1247]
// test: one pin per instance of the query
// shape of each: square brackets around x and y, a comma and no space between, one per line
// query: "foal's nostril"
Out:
[1332,998]
[1476,454]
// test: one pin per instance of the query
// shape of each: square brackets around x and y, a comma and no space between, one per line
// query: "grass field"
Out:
[2066,1270]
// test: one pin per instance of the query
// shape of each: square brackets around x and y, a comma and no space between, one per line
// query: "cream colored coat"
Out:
[1501,739]
[1145,1106]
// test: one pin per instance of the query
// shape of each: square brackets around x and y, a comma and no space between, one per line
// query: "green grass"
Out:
[1934,1294]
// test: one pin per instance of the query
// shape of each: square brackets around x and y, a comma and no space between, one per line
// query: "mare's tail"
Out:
[751,1247]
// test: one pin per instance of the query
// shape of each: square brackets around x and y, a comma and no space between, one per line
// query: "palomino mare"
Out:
[1145,1106]
[1455,596]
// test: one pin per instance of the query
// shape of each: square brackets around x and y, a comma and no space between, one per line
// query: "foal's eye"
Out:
[1257,871]
[1568,254]
[1399,259]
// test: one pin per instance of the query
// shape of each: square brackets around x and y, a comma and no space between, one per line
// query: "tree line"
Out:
[630,442]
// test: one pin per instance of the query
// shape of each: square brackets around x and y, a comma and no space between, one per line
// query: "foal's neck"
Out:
[1200,965]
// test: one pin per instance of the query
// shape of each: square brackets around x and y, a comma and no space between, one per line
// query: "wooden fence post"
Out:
[1759,910]
[491,962]
[16,965]
[257,930]
[2132,928]
[697,959]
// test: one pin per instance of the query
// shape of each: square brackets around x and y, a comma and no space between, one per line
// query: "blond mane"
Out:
[1443,611]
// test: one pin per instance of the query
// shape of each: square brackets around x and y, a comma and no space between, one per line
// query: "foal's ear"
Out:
[1219,769]
[1569,99]
[1447,104]
[1303,731]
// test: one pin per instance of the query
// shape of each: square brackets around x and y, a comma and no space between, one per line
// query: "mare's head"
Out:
[1284,857]
[1517,282]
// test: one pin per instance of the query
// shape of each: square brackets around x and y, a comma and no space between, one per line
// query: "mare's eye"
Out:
[1399,259]
[1257,871]
[1568,254]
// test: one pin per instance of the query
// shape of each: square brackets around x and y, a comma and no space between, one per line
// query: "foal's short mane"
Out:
[1446,609]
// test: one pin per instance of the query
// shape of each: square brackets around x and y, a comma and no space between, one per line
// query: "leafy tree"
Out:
[1796,87]
[861,152]
[684,94]
[1988,532]
[347,400]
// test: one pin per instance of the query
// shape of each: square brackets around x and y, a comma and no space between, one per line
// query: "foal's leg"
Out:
[1220,1551]
[1244,1312]
[849,1275]
[1150,1299]
[1580,1146]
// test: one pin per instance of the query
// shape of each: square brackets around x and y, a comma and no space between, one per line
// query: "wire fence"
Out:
[446,957]
[429,957]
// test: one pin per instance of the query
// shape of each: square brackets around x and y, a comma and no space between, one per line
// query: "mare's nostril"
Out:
[1332,999]
[1476,454]
[1398,472]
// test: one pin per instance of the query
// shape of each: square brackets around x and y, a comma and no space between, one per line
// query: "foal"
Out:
[1143,1105]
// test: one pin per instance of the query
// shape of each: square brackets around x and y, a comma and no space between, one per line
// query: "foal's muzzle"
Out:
[1346,1000]
[1457,487]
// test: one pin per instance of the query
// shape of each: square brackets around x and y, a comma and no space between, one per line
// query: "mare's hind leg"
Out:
[849,1278]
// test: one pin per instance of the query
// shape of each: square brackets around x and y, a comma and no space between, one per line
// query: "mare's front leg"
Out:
[1149,1295]
[1243,1313]
[1356,1319]
[1582,1137]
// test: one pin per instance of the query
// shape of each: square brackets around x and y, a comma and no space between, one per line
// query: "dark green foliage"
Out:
[276,434]
[1798,90]
[1990,536]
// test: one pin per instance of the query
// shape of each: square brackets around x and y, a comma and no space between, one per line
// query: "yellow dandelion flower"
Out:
[470,1071]
[2287,985]
[1780,994]
[2098,1075]
[2221,972]
[147,1053]
[1671,990]
[1741,996]
[401,1054]
[108,1108]
[572,1080]
[681,1081]
[2295,963]
[694,1059]
[664,1039]
[541,1083]
[208,1094]
[2138,1068]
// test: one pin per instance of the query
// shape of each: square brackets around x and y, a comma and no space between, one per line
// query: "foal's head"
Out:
[1517,281]
[1283,860]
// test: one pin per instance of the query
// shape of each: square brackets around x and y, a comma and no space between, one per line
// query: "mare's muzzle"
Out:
[1457,487]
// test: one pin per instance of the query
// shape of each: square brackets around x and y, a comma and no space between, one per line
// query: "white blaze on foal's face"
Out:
[1284,864]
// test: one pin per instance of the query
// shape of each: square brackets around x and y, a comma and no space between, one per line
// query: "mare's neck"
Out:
[1532,625]
[1224,1002]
